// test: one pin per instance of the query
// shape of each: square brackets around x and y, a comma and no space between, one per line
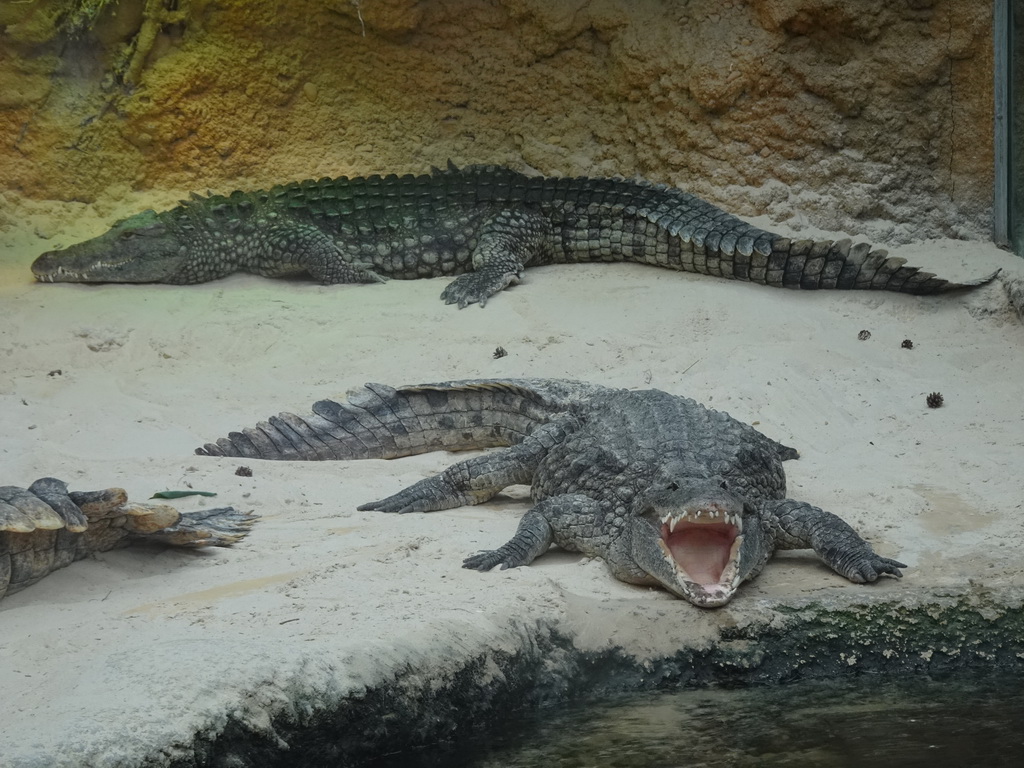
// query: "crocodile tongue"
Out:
[702,549]
[704,545]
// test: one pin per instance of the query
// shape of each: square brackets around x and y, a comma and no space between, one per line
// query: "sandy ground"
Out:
[130,653]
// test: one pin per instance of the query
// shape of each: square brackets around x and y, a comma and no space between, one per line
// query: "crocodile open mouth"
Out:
[703,545]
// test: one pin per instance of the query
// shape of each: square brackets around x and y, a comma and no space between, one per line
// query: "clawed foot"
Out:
[484,561]
[428,495]
[871,568]
[220,527]
[352,272]
[400,503]
[478,287]
[363,273]
[533,537]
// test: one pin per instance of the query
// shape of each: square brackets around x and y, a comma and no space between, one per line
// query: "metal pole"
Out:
[1001,53]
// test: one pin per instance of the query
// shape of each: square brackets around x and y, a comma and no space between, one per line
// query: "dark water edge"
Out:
[452,714]
[870,720]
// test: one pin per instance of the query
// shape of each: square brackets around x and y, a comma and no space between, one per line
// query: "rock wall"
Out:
[866,116]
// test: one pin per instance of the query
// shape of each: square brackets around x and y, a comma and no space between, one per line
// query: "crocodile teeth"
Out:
[704,516]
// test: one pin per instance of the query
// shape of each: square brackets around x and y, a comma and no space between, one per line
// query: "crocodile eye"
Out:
[724,485]
[673,486]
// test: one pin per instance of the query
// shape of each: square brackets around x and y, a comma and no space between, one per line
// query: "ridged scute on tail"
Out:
[726,246]
[812,264]
[43,506]
[46,527]
[381,422]
[717,233]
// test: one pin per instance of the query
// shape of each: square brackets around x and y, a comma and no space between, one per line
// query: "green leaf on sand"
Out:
[179,494]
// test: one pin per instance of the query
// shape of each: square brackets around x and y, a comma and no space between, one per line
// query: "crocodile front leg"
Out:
[567,520]
[508,242]
[798,525]
[293,247]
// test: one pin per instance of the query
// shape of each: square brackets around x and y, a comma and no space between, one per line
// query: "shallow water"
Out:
[868,721]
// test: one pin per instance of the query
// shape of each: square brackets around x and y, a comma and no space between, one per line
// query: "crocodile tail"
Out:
[46,527]
[381,422]
[825,264]
[711,241]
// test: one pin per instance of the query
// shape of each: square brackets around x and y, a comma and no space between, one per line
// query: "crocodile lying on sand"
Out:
[485,224]
[666,491]
[45,527]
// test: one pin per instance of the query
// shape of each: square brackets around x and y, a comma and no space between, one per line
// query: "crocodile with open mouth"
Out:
[669,493]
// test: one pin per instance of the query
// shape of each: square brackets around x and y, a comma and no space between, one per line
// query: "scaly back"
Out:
[381,422]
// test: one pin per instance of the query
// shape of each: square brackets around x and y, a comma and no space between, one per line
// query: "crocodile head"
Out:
[699,541]
[139,249]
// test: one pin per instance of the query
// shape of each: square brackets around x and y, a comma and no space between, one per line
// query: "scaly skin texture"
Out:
[45,527]
[666,491]
[486,224]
